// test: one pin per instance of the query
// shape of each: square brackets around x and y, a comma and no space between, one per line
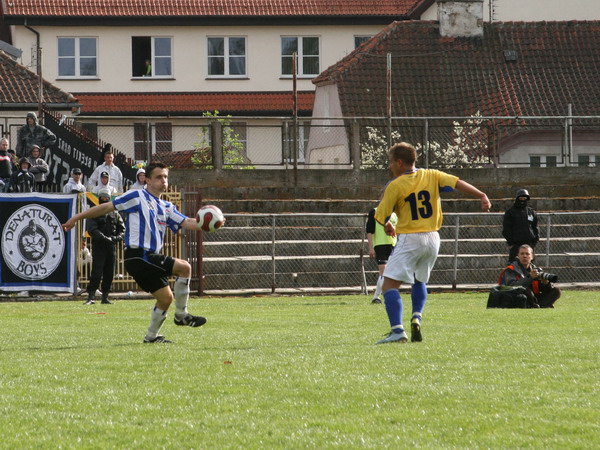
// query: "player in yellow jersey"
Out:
[414,195]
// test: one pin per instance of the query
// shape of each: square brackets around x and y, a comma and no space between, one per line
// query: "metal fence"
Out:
[328,252]
[345,142]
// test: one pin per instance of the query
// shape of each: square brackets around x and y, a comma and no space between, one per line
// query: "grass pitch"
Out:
[301,372]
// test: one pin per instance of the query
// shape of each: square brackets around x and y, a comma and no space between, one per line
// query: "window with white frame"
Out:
[227,56]
[588,160]
[151,138]
[303,136]
[151,56]
[359,40]
[78,57]
[542,160]
[307,49]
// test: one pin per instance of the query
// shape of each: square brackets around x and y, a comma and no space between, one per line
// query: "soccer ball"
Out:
[210,218]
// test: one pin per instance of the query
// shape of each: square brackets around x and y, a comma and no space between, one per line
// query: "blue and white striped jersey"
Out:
[147,219]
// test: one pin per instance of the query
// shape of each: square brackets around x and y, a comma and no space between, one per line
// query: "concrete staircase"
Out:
[327,252]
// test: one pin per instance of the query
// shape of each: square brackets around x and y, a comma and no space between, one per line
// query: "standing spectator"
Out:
[414,195]
[39,168]
[148,217]
[147,68]
[520,225]
[6,165]
[22,180]
[74,185]
[104,184]
[380,247]
[115,175]
[105,231]
[32,133]
[540,292]
[140,180]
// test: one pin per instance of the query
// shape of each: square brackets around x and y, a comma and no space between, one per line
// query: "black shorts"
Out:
[382,253]
[149,270]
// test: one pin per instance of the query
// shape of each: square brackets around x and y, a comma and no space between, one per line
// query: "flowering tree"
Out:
[467,146]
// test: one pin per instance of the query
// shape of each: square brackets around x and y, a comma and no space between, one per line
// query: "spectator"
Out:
[32,133]
[74,185]
[15,160]
[140,180]
[6,165]
[540,292]
[115,175]
[39,168]
[105,231]
[520,225]
[147,68]
[380,247]
[22,180]
[104,184]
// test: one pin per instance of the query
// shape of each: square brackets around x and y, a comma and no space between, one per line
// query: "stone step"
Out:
[332,205]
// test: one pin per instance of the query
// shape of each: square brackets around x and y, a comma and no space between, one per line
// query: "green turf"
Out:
[301,372]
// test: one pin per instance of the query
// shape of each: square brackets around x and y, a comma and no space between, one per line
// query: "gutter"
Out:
[39,67]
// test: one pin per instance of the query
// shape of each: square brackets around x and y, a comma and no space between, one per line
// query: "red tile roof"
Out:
[171,8]
[557,63]
[20,86]
[195,103]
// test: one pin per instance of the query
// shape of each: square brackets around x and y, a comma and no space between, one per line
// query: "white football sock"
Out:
[181,290]
[378,287]
[157,317]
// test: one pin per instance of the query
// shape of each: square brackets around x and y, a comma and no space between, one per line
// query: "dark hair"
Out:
[154,165]
[403,151]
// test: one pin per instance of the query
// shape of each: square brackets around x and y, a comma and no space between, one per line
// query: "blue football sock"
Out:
[393,307]
[418,296]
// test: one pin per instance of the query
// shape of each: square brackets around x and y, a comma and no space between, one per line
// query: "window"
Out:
[77,57]
[359,40]
[151,56]
[153,138]
[307,49]
[303,135]
[227,56]
[588,160]
[542,161]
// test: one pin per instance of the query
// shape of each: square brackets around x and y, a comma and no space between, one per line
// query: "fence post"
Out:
[362,258]
[355,144]
[548,235]
[217,144]
[426,137]
[273,268]
[455,268]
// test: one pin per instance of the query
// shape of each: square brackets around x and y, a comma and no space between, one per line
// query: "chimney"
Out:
[460,18]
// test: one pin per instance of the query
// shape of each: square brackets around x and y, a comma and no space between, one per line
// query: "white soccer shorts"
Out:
[413,257]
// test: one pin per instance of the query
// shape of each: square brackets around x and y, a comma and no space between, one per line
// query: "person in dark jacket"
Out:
[540,292]
[6,165]
[39,168]
[33,133]
[105,231]
[22,180]
[520,225]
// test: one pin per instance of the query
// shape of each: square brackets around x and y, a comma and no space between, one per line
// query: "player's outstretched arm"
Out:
[96,211]
[471,190]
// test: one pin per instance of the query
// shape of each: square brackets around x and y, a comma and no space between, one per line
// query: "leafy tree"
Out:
[233,149]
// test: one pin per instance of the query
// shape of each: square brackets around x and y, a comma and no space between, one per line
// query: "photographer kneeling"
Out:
[538,285]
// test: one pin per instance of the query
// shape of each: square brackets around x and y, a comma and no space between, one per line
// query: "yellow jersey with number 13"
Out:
[415,198]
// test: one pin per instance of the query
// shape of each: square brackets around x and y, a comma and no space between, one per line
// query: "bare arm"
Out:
[96,211]
[190,224]
[471,190]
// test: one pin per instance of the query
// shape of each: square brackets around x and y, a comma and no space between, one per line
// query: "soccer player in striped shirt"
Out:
[148,217]
[414,195]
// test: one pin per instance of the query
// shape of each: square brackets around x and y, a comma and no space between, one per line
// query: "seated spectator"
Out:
[140,180]
[540,292]
[22,180]
[6,165]
[104,183]
[39,168]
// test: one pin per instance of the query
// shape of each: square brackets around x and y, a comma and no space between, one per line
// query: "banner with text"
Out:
[37,255]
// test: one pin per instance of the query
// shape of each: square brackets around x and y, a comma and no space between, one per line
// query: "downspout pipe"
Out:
[38,68]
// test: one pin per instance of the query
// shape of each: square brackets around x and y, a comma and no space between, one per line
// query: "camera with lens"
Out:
[548,276]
